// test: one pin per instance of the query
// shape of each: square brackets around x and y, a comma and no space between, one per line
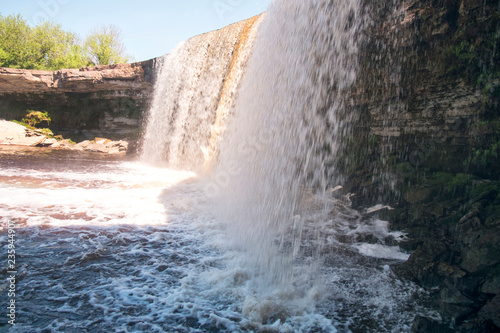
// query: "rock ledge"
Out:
[18,135]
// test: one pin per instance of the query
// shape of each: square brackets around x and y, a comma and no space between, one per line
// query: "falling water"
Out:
[195,86]
[290,247]
[277,170]
[289,122]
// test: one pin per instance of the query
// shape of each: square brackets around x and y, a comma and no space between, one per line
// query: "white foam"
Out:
[143,253]
[382,251]
[129,196]
[378,228]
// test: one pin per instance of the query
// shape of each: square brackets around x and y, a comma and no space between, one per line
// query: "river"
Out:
[112,245]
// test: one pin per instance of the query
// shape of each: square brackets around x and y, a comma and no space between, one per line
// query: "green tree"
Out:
[48,47]
[57,48]
[16,47]
[104,46]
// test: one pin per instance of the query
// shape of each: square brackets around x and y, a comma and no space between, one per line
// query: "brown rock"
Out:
[87,79]
[49,142]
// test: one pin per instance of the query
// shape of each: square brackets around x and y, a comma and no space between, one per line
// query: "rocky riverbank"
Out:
[17,135]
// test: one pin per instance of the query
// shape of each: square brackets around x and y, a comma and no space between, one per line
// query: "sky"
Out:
[149,28]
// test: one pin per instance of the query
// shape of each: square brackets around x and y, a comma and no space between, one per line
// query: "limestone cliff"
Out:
[83,103]
[87,79]
[426,142]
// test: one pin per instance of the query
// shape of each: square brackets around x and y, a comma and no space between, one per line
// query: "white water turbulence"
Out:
[287,127]
[301,250]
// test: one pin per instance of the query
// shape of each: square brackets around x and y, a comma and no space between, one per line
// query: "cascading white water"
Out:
[194,84]
[282,238]
[289,121]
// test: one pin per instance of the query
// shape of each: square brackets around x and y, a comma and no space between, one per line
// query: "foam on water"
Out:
[143,253]
[120,194]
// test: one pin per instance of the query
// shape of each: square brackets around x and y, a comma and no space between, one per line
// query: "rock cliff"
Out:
[87,79]
[426,142]
[101,101]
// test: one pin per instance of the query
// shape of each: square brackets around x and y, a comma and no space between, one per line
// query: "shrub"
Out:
[35,118]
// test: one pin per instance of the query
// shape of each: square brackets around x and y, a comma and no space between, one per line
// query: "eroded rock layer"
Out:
[83,103]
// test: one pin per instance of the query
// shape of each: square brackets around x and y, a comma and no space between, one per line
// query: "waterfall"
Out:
[251,234]
[286,120]
[196,83]
[289,121]
[267,115]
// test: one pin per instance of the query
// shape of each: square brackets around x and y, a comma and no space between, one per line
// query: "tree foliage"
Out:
[48,47]
[16,49]
[105,47]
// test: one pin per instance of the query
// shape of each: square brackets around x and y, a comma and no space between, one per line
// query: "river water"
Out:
[112,245]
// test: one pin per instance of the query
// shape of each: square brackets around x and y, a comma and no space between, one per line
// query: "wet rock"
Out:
[417,194]
[482,249]
[15,134]
[101,141]
[66,144]
[491,311]
[491,285]
[427,325]
[422,264]
[83,145]
[96,147]
[450,295]
[103,145]
[48,142]
[447,270]
[478,325]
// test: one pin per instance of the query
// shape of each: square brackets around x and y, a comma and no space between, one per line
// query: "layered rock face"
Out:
[83,103]
[87,79]
[426,142]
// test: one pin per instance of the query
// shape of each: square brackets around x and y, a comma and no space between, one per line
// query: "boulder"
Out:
[492,311]
[15,134]
[48,142]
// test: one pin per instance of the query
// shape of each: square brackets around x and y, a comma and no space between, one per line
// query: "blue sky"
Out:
[150,28]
